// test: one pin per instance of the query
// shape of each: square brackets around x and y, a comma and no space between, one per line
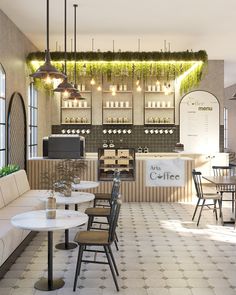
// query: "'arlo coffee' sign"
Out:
[165,172]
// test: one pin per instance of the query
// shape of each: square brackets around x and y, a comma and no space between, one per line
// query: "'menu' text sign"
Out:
[165,172]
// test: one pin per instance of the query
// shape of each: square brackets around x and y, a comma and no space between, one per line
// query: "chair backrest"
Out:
[113,220]
[197,178]
[116,174]
[224,171]
[115,190]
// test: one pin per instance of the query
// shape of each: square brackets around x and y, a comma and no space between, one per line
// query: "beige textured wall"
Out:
[14,47]
[213,81]
[231,105]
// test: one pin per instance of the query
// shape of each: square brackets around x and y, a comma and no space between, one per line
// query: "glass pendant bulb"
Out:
[92,82]
[139,89]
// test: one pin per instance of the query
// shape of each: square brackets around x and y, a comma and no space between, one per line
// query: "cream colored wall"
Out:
[213,81]
[14,48]
[231,106]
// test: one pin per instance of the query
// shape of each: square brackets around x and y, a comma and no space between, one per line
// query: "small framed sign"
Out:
[165,172]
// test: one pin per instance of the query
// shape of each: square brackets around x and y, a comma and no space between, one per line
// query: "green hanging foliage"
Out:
[161,65]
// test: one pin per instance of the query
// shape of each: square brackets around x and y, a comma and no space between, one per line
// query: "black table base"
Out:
[45,285]
[49,284]
[66,245]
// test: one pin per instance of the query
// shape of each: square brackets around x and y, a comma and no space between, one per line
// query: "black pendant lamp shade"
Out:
[47,70]
[65,87]
[233,97]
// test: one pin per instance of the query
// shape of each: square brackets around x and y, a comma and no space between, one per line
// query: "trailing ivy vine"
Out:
[161,65]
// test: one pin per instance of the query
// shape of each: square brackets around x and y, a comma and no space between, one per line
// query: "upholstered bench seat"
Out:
[15,198]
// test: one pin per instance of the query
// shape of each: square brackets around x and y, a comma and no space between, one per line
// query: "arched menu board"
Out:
[199,122]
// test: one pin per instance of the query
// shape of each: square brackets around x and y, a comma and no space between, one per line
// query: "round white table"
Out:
[76,198]
[85,184]
[37,221]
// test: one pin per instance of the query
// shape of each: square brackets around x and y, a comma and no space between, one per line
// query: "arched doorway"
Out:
[16,131]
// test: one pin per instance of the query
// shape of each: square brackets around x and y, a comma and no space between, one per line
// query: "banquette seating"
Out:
[15,197]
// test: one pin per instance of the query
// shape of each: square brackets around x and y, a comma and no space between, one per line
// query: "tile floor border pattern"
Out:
[162,252]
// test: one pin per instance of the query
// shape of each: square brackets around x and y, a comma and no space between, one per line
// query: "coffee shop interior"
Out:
[117,147]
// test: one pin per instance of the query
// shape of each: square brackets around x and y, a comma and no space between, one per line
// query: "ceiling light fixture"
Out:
[47,71]
[233,97]
[65,87]
[75,95]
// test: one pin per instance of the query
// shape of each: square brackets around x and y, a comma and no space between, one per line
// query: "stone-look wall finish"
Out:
[231,106]
[14,48]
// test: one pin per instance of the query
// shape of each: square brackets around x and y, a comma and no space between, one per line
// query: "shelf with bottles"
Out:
[161,108]
[116,159]
[159,120]
[76,108]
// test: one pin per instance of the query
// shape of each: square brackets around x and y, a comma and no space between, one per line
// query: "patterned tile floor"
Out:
[162,252]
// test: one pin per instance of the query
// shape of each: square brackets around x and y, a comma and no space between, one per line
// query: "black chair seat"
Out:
[99,212]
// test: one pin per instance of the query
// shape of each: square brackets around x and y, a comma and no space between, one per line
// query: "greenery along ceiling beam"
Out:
[161,65]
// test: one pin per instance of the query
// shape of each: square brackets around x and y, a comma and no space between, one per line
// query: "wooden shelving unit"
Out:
[111,159]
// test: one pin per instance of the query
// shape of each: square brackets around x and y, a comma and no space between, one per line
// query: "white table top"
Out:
[37,221]
[85,184]
[76,198]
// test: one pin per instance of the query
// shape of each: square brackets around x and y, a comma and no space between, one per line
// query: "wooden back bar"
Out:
[132,191]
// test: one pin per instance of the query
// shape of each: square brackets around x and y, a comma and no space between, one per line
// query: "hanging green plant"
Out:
[159,65]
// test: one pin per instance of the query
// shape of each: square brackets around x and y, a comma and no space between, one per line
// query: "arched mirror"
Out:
[16,127]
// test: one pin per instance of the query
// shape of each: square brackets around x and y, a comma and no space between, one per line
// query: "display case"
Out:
[159,103]
[111,159]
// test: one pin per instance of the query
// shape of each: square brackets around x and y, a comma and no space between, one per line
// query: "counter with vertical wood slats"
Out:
[132,191]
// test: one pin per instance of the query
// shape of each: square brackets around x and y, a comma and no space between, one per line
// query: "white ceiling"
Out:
[186,24]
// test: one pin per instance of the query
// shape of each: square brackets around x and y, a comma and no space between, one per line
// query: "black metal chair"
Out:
[106,197]
[202,197]
[225,171]
[102,239]
[96,212]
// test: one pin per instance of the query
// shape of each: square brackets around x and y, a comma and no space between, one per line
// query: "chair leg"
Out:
[78,266]
[116,237]
[221,213]
[200,214]
[111,267]
[233,198]
[215,209]
[113,260]
[116,244]
[195,211]
[90,222]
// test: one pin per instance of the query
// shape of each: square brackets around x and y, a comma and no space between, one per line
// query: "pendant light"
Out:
[65,87]
[75,95]
[47,71]
[233,97]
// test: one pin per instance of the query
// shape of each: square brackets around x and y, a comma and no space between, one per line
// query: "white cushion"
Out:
[10,238]
[21,181]
[8,212]
[1,201]
[8,188]
[34,203]
[36,193]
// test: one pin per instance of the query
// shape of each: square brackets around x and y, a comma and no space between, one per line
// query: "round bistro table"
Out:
[37,221]
[76,198]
